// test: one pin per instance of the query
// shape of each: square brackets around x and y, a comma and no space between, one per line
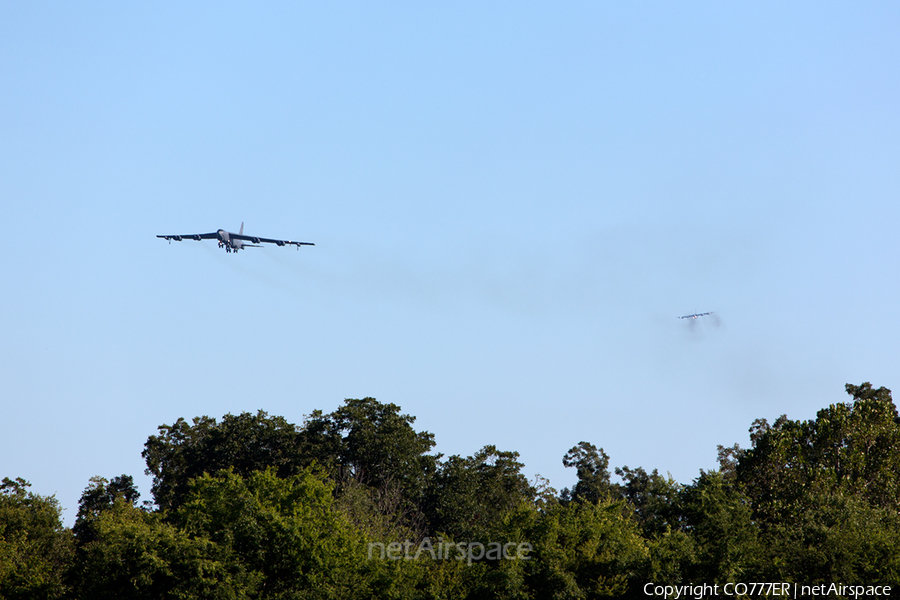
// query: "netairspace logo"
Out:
[765,589]
[468,551]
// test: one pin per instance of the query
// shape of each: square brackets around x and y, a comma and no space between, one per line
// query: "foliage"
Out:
[835,538]
[585,550]
[591,466]
[825,493]
[244,443]
[101,495]
[717,515]
[383,514]
[256,507]
[35,549]
[284,532]
[850,449]
[654,500]
[371,442]
[469,496]
[364,441]
[137,555]
[672,558]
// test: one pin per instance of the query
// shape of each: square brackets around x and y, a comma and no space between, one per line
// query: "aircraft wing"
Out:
[190,236]
[258,240]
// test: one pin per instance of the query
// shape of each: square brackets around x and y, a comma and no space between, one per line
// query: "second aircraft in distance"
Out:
[695,315]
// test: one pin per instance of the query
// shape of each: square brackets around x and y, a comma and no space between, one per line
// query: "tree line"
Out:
[253,506]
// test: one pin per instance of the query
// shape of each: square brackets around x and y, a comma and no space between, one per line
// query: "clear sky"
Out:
[511,203]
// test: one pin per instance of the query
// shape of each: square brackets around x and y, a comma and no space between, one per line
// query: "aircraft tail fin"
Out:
[241,232]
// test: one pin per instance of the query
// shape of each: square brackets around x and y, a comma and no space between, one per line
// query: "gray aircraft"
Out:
[695,315]
[232,242]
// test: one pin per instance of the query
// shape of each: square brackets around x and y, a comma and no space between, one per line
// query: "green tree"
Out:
[585,550]
[244,443]
[469,497]
[364,441]
[372,443]
[850,448]
[135,555]
[35,549]
[592,468]
[382,514]
[653,498]
[825,493]
[717,516]
[284,532]
[672,559]
[656,504]
[835,537]
[101,495]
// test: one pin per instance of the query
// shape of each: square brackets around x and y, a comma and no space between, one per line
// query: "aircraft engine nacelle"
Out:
[255,240]
[197,237]
[280,243]
[177,238]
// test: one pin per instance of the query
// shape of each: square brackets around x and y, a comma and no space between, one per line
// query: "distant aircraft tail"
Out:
[241,232]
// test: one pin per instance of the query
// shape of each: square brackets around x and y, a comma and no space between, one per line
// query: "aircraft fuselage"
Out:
[231,244]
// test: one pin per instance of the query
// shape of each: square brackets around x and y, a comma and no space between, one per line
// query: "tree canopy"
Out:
[35,549]
[355,504]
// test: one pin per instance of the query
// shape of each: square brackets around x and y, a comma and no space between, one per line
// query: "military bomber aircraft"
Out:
[232,242]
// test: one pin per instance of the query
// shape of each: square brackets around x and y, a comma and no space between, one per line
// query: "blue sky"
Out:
[511,203]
